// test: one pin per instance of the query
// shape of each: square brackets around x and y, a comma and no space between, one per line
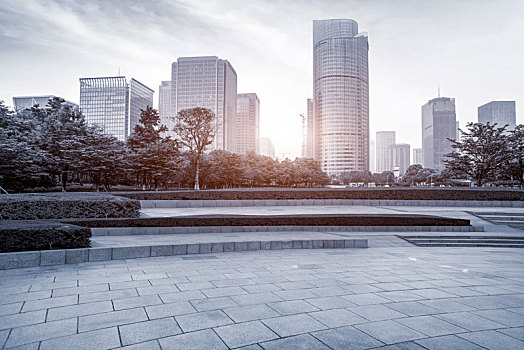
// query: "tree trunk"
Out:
[197,187]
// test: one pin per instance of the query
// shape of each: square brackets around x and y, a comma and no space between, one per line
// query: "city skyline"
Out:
[411,52]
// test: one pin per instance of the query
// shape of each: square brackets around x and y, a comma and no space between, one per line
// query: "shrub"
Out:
[66,205]
[323,193]
[21,235]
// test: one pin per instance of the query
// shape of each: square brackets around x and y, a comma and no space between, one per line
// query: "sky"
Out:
[473,49]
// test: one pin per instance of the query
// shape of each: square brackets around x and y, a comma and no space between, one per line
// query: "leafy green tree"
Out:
[153,156]
[481,152]
[195,130]
[515,157]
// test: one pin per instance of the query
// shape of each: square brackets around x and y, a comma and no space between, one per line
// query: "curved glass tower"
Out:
[341,96]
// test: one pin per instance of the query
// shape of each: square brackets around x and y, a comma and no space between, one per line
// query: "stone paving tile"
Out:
[41,331]
[407,345]
[433,293]
[181,296]
[250,347]
[49,303]
[3,337]
[110,319]
[393,286]
[327,303]
[430,325]
[337,317]
[171,309]
[8,309]
[256,298]
[22,319]
[398,296]
[329,291]
[149,345]
[63,312]
[448,342]
[250,313]
[247,333]
[202,320]
[461,291]
[128,284]
[101,340]
[504,317]
[292,307]
[413,308]
[195,285]
[133,302]
[376,312]
[445,305]
[143,331]
[517,332]
[199,340]
[361,288]
[346,338]
[389,332]
[493,340]
[294,294]
[225,291]
[259,288]
[292,325]
[484,302]
[299,342]
[13,298]
[469,321]
[151,290]
[366,299]
[116,294]
[213,303]
[60,292]
[232,283]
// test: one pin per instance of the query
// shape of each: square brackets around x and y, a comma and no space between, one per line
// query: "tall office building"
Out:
[23,102]
[310,130]
[400,154]
[267,148]
[247,124]
[384,156]
[439,123]
[372,155]
[417,156]
[164,106]
[341,96]
[500,112]
[114,104]
[211,83]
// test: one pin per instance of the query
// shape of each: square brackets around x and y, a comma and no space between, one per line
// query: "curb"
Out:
[75,256]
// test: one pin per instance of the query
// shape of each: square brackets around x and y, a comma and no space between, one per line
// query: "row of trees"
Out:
[40,147]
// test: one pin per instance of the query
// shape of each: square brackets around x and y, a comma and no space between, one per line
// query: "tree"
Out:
[153,156]
[515,157]
[481,153]
[195,130]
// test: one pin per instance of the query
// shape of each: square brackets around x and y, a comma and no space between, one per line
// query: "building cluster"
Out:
[335,127]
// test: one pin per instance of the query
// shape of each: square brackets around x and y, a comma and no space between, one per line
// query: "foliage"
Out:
[481,153]
[515,161]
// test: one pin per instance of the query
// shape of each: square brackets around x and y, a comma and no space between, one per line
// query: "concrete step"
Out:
[495,245]
[465,241]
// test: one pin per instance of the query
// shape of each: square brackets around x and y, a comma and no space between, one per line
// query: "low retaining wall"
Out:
[149,204]
[75,256]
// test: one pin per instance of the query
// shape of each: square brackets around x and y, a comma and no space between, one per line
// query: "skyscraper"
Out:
[114,104]
[211,83]
[341,96]
[439,123]
[385,139]
[164,106]
[266,147]
[417,156]
[500,112]
[310,130]
[247,124]
[400,153]
[372,155]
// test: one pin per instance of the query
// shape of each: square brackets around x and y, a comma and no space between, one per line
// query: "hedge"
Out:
[275,220]
[475,194]
[66,205]
[21,235]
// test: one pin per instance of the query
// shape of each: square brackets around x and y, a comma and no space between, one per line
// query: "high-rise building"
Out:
[247,123]
[400,153]
[164,106]
[267,148]
[310,130]
[372,155]
[500,112]
[114,104]
[23,102]
[385,139]
[341,96]
[439,123]
[417,156]
[211,83]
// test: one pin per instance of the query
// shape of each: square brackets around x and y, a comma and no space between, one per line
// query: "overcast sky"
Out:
[473,48]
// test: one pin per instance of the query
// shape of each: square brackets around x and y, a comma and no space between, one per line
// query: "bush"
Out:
[66,205]
[472,194]
[276,220]
[20,235]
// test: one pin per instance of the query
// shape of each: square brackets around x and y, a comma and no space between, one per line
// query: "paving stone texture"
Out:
[392,298]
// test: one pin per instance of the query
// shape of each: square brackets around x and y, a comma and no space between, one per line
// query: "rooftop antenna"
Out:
[439,90]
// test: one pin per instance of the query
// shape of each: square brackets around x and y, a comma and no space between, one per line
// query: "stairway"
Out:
[466,241]
[515,220]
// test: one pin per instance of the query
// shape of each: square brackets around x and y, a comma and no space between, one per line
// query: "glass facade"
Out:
[400,154]
[164,106]
[113,104]
[211,83]
[500,112]
[385,140]
[341,96]
[417,156]
[267,148]
[310,117]
[247,123]
[439,123]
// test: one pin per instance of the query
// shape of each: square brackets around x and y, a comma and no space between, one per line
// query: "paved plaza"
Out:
[390,298]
